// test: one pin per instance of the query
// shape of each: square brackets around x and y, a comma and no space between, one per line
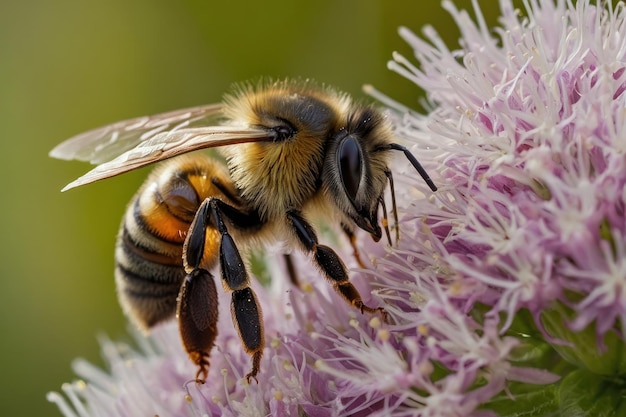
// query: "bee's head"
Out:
[356,169]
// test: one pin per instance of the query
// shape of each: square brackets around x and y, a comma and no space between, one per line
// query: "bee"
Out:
[291,149]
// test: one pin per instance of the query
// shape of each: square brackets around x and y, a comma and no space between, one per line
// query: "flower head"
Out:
[530,128]
[507,285]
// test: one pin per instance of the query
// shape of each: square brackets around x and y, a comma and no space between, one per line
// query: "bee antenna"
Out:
[416,164]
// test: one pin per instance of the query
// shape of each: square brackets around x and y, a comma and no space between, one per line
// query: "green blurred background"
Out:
[70,65]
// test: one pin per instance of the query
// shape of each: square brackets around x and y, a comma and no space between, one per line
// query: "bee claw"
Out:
[256,364]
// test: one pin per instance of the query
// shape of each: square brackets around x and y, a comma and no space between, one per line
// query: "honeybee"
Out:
[291,149]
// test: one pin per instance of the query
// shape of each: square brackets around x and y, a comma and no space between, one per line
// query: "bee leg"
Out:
[330,264]
[197,307]
[247,317]
[245,309]
[291,270]
[352,239]
[197,318]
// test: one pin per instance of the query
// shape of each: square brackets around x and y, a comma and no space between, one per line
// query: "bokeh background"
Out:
[70,65]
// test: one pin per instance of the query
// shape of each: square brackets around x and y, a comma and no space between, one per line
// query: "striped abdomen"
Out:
[149,267]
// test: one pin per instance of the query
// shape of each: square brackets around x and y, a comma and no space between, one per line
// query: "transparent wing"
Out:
[131,144]
[168,144]
[107,142]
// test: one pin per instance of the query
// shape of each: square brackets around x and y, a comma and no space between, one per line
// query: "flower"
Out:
[507,290]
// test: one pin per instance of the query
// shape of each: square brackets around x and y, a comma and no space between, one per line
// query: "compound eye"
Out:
[350,165]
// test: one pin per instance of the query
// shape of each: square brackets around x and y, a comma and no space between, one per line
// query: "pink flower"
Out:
[530,128]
